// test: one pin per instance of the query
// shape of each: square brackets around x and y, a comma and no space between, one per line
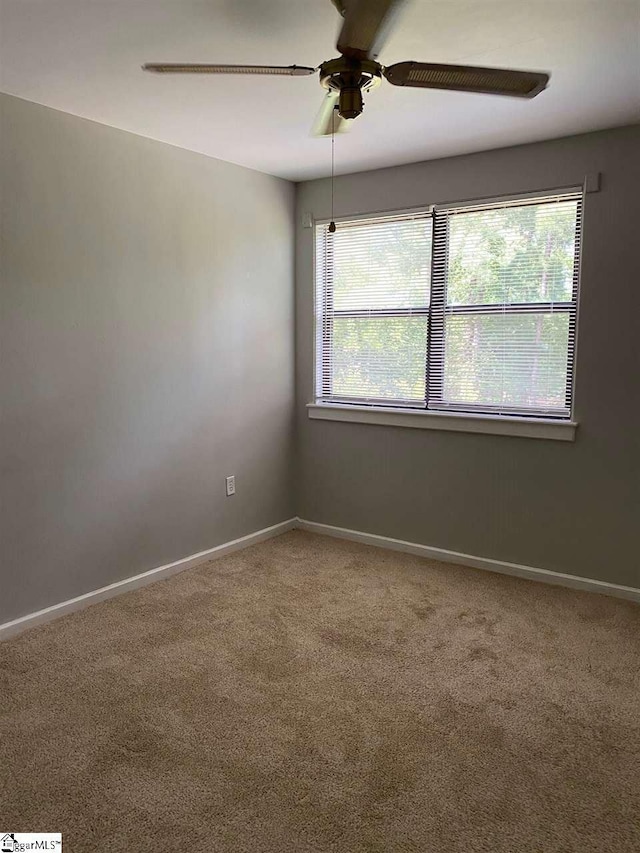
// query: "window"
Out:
[468,308]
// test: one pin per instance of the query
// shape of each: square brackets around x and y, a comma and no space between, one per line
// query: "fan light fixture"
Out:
[366,27]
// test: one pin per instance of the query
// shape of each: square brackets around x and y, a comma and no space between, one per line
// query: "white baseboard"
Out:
[544,575]
[16,626]
[40,617]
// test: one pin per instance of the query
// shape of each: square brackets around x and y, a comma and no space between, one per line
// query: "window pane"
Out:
[380,357]
[381,264]
[508,360]
[512,255]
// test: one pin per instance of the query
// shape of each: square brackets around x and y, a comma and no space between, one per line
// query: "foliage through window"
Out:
[458,308]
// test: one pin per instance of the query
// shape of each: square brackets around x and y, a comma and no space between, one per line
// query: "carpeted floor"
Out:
[309,694]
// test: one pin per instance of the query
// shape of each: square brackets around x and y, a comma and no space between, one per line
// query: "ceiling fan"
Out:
[366,26]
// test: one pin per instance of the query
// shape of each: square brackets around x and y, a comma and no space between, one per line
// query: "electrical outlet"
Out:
[231,485]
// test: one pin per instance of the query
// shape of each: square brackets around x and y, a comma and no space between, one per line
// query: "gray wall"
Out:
[147,352]
[146,344]
[571,508]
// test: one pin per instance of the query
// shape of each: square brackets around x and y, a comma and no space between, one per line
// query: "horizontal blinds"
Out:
[372,293]
[514,201]
[470,308]
[504,299]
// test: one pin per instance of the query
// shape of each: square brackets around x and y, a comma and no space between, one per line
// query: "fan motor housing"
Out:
[350,77]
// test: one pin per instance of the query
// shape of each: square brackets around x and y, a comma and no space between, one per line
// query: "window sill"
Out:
[456,422]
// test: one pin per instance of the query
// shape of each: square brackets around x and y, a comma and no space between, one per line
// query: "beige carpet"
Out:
[309,694]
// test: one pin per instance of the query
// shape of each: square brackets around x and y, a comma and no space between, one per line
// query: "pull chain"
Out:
[332,224]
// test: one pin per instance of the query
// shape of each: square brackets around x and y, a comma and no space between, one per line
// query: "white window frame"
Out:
[439,414]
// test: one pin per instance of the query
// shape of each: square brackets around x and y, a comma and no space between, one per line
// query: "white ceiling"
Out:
[84,57]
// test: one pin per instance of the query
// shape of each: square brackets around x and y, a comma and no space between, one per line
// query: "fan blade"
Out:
[184,68]
[367,24]
[329,120]
[467,78]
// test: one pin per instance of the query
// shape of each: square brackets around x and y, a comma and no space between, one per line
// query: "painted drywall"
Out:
[147,352]
[567,507]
